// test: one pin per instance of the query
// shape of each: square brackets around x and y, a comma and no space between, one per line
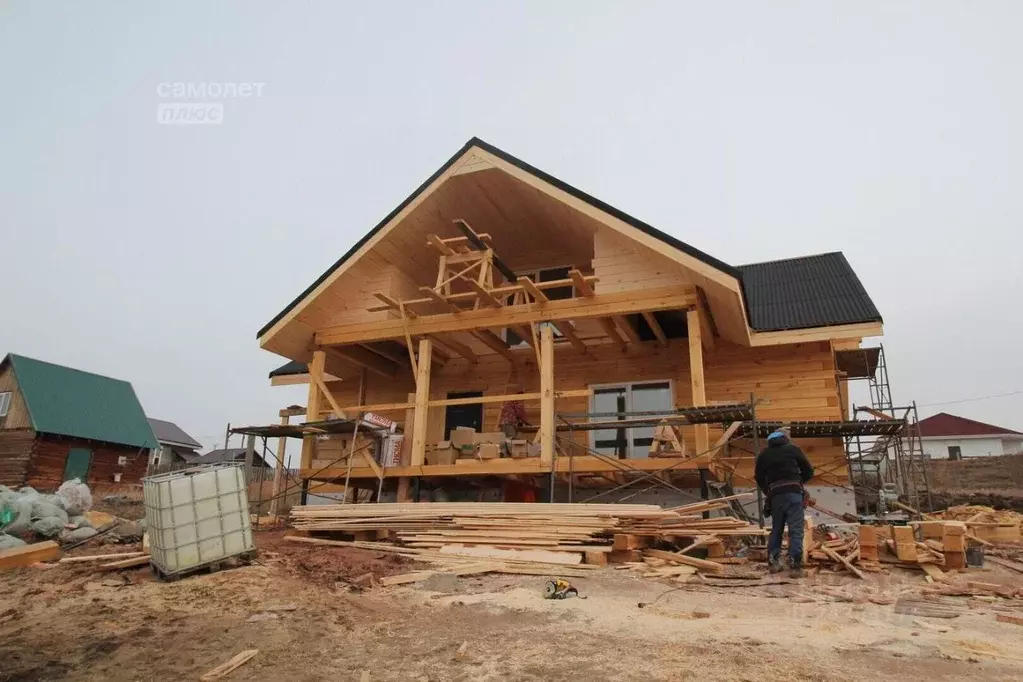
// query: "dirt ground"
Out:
[297,606]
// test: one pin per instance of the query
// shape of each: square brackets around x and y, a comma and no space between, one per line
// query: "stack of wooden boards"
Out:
[593,529]
[983,524]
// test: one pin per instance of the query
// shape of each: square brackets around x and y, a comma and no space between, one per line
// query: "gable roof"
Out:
[810,291]
[776,307]
[944,424]
[70,402]
[169,432]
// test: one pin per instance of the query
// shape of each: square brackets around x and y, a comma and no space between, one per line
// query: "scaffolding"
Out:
[892,457]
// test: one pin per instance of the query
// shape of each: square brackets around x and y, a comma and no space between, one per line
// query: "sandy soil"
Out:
[297,606]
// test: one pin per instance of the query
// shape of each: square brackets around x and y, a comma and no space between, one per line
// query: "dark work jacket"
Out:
[782,467]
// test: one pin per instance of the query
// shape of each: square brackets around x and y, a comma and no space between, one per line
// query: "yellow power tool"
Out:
[559,588]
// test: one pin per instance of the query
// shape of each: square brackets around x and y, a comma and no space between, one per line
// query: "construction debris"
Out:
[226,668]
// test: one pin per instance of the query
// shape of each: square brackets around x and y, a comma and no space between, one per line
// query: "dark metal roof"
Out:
[289,368]
[169,432]
[811,291]
[775,293]
[230,455]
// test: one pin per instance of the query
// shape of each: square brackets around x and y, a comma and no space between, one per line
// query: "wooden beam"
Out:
[405,483]
[484,295]
[494,342]
[455,346]
[422,406]
[330,399]
[26,555]
[706,323]
[582,286]
[547,396]
[655,326]
[436,296]
[440,245]
[599,305]
[530,288]
[313,404]
[371,463]
[612,332]
[366,359]
[699,391]
[294,411]
[627,329]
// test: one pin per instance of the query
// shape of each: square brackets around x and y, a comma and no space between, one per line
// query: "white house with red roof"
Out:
[947,436]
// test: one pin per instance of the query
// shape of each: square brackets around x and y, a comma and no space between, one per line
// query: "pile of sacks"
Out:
[49,516]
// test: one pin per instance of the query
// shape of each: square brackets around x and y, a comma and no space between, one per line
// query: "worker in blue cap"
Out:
[781,471]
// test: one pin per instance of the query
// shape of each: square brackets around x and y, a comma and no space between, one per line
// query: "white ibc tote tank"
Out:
[197,517]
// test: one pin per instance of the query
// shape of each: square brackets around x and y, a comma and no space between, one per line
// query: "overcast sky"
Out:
[888,130]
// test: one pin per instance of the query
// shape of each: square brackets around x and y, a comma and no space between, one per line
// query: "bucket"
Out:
[975,557]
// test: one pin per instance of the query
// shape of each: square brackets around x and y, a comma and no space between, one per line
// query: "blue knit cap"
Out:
[776,434]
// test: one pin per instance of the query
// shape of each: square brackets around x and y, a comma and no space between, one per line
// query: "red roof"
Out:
[945,424]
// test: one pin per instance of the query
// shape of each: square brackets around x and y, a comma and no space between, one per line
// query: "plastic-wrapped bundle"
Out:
[16,515]
[79,521]
[10,542]
[77,535]
[74,497]
[46,506]
[48,526]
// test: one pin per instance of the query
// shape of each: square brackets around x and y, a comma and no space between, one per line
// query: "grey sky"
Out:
[153,253]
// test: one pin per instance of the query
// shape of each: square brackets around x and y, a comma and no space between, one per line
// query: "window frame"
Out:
[630,435]
[6,398]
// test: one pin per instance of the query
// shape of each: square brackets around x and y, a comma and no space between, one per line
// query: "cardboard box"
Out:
[489,451]
[390,455]
[463,436]
[443,453]
[490,437]
[519,448]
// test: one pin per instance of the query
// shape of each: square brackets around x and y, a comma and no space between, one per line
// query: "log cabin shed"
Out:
[494,278]
[59,423]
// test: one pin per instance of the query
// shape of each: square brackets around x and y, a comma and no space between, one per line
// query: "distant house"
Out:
[59,423]
[176,446]
[947,436]
[231,455]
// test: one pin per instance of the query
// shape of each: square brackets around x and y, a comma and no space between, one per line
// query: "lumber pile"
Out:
[579,528]
[984,524]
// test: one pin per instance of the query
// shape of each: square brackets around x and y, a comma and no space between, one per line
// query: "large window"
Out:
[609,401]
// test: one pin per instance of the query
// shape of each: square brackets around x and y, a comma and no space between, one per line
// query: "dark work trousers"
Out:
[786,509]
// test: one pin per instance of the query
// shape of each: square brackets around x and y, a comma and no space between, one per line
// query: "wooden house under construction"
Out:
[638,357]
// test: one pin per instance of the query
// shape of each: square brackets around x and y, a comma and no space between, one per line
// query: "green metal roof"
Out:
[70,402]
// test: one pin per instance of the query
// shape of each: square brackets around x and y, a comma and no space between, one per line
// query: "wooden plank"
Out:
[683,559]
[612,332]
[329,396]
[655,326]
[230,666]
[125,563]
[440,245]
[845,562]
[101,557]
[18,557]
[582,286]
[933,572]
[470,296]
[371,463]
[697,385]
[627,329]
[313,404]
[547,396]
[1006,618]
[422,399]
[534,555]
[457,346]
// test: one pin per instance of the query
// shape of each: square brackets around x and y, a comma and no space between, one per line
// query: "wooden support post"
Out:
[282,443]
[406,449]
[250,454]
[313,405]
[696,377]
[547,396]
[422,403]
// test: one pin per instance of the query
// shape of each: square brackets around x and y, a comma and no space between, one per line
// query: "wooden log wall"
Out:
[794,382]
[15,451]
[17,414]
[49,457]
